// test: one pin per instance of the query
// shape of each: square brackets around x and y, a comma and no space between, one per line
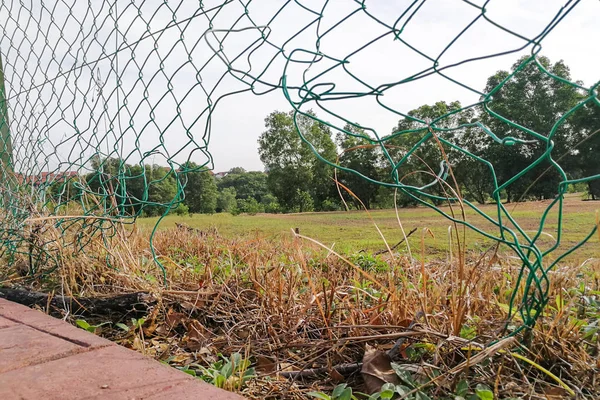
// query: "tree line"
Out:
[147,189]
[296,181]
[531,99]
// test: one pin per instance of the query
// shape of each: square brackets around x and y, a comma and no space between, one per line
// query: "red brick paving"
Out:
[45,358]
[5,323]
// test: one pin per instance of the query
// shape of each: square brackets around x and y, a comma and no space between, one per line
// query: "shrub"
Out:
[330,205]
[181,209]
[250,206]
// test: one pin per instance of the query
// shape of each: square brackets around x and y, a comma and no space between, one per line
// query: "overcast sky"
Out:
[72,94]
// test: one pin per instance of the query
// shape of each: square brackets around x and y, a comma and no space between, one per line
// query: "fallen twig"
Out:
[394,247]
[128,303]
[343,369]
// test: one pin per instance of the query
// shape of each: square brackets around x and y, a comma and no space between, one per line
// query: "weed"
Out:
[305,307]
[340,392]
[369,262]
[228,373]
[83,324]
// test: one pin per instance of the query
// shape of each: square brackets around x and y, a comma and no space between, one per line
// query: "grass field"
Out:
[355,230]
[286,307]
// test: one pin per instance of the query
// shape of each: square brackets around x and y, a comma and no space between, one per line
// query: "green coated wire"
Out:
[52,56]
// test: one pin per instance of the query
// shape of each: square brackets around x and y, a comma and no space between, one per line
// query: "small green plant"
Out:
[409,388]
[585,315]
[482,392]
[136,325]
[369,262]
[83,324]
[468,332]
[228,373]
[181,209]
[340,392]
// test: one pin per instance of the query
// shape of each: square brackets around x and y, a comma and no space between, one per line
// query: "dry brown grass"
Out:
[288,305]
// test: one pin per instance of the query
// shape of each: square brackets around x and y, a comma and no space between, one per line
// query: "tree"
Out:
[116,183]
[162,189]
[424,164]
[200,190]
[358,154]
[474,176]
[226,201]
[246,184]
[108,178]
[236,170]
[250,206]
[587,126]
[304,201]
[532,99]
[270,204]
[135,185]
[292,166]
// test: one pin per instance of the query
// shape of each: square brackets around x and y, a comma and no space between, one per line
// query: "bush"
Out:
[250,206]
[226,201]
[304,201]
[273,208]
[270,204]
[182,209]
[330,205]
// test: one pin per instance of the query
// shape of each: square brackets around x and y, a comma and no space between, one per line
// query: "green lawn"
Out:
[353,231]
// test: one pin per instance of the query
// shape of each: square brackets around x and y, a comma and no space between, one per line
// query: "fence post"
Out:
[6,151]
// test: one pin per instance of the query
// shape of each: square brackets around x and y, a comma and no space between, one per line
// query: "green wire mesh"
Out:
[91,88]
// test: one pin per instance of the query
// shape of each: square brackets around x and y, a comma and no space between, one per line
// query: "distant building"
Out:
[220,175]
[45,178]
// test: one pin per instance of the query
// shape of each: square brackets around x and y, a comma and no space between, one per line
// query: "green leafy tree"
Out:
[105,173]
[237,170]
[136,185]
[270,203]
[246,184]
[292,166]
[162,189]
[200,190]
[250,206]
[304,201]
[474,176]
[226,201]
[119,185]
[532,99]
[424,164]
[587,128]
[358,154]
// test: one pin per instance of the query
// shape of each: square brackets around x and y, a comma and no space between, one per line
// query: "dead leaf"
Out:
[405,323]
[376,319]
[193,304]
[138,344]
[197,335]
[197,331]
[162,330]
[149,331]
[243,333]
[151,327]
[180,358]
[173,319]
[335,376]
[377,370]
[555,393]
[265,365]
[287,367]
